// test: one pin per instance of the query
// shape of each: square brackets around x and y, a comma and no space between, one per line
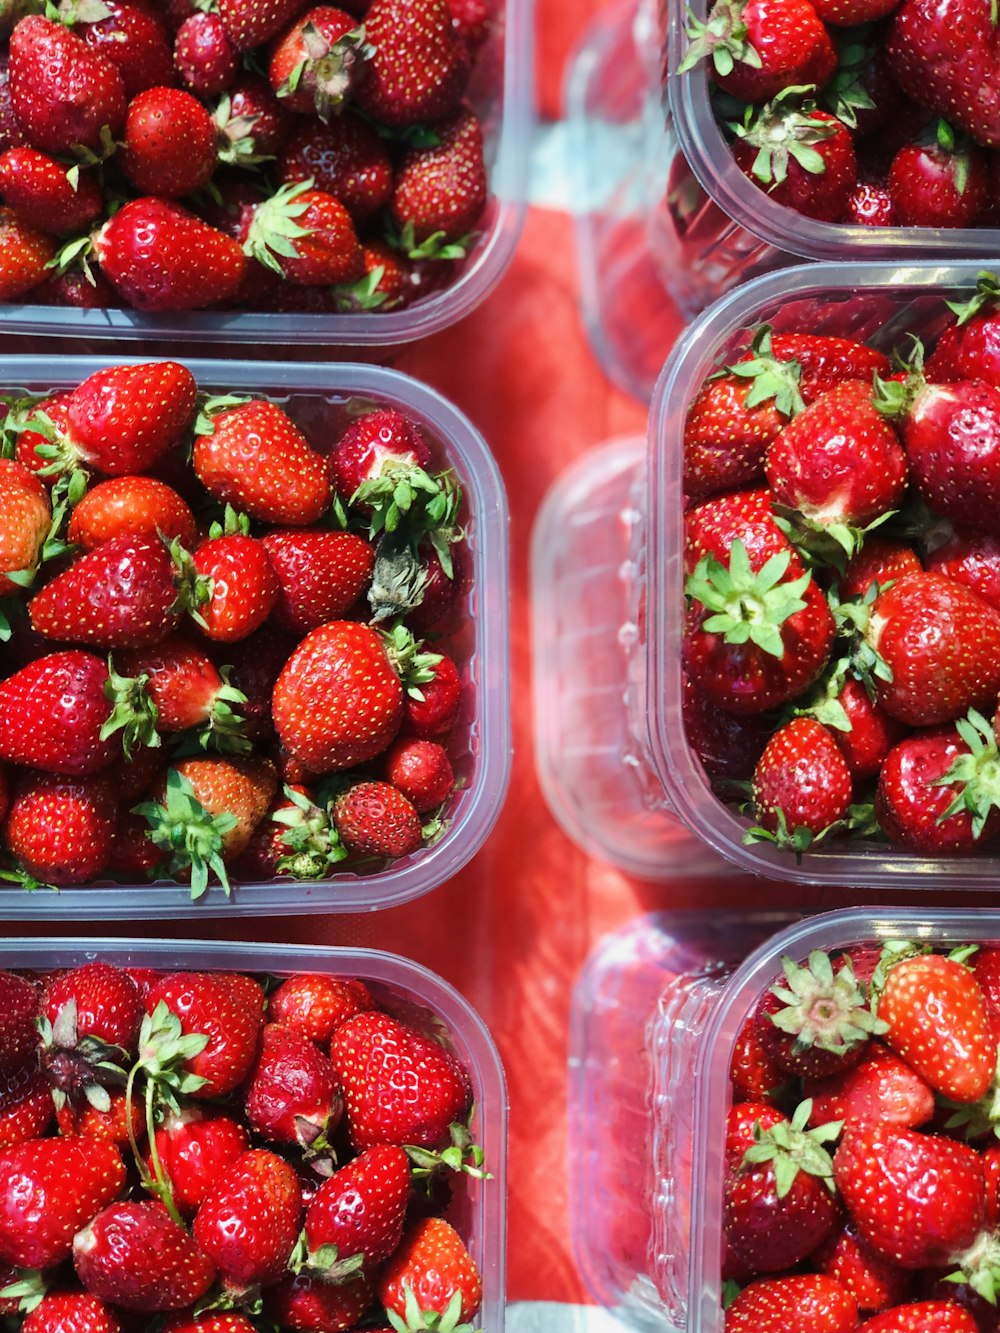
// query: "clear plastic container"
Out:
[478,1209]
[876,303]
[479,747]
[500,93]
[654,1020]
[585,663]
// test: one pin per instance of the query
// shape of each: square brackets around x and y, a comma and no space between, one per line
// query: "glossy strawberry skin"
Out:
[249,1221]
[330,252]
[881,1089]
[931,187]
[397,91]
[169,144]
[60,829]
[443,188]
[361,1208]
[208,1004]
[876,1284]
[433,1262]
[26,1106]
[321,575]
[827,360]
[52,712]
[345,158]
[27,516]
[71,1312]
[910,804]
[206,60]
[872,734]
[25,254]
[434,715]
[134,1255]
[801,779]
[125,419]
[952,441]
[793,45]
[377,819]
[316,1004]
[132,37]
[422,771]
[131,506]
[107,1002]
[250,22]
[922,1317]
[791,1304]
[971,558]
[822,195]
[245,586]
[294,1093]
[18,1034]
[724,440]
[36,186]
[196,1149]
[309,1302]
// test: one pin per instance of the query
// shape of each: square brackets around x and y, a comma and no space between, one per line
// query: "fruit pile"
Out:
[875,112]
[228,1153]
[862,1167]
[841,650]
[208,651]
[254,154]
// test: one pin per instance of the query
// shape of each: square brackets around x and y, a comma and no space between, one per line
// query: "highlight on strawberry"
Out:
[841,647]
[226,635]
[227,1153]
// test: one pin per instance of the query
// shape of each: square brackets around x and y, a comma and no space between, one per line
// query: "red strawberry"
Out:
[250,1220]
[825,360]
[874,1283]
[25,253]
[803,158]
[915,1198]
[941,643]
[49,1188]
[872,732]
[131,36]
[338,700]
[250,22]
[252,123]
[970,348]
[307,236]
[871,206]
[294,1094]
[106,1003]
[158,256]
[375,819]
[346,158]
[744,1123]
[59,829]
[125,419]
[361,1208]
[208,1004]
[18,1034]
[25,519]
[123,594]
[67,96]
[225,1322]
[422,771]
[881,1090]
[399,1086]
[243,586]
[321,574]
[254,457]
[169,144]
[196,1148]
[848,12]
[433,1264]
[43,195]
[131,506]
[754,1074]
[972,558]
[395,88]
[316,1004]
[937,184]
[431,707]
[713,527]
[317,62]
[761,47]
[136,1256]
[915,810]
[26,1106]
[881,560]
[440,191]
[308,1302]
[204,57]
[119,1123]
[71,1312]
[923,1317]
[188,691]
[792,1304]
[801,785]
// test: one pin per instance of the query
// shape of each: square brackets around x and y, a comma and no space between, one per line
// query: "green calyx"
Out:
[210,407]
[858,657]
[403,495]
[976,775]
[824,1009]
[723,38]
[986,298]
[771,379]
[222,730]
[193,838]
[748,607]
[274,229]
[845,95]
[312,843]
[790,1147]
[324,1262]
[79,1066]
[415,1320]
[782,134]
[979,1267]
[829,544]
[331,69]
[895,398]
[363,294]
[435,246]
[462,1154]
[798,840]
[412,665]
[235,142]
[27,1289]
[133,711]
[979,1118]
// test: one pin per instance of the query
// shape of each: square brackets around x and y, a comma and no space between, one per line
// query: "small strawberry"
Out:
[204,57]
[321,575]
[188,691]
[106,1002]
[25,255]
[801,785]
[969,349]
[250,22]
[26,1106]
[46,194]
[346,158]
[938,182]
[18,1033]
[882,1089]
[361,1208]
[24,526]
[293,1095]
[130,506]
[922,1317]
[431,1272]
[376,819]
[125,419]
[791,1304]
[753,1072]
[880,561]
[803,157]
[310,1302]
[315,1004]
[871,732]
[422,771]
[431,706]
[169,144]
[241,584]
[60,829]
[136,1256]
[208,1004]
[306,236]
[252,124]
[196,1148]
[250,1220]
[395,89]
[968,557]
[874,1283]
[871,205]
[71,1312]
[131,35]
[440,191]
[316,63]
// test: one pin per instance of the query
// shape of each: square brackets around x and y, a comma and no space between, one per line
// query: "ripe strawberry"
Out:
[123,594]
[158,256]
[122,1121]
[941,643]
[915,1198]
[131,35]
[136,1256]
[804,158]
[933,185]
[400,1087]
[254,457]
[791,1304]
[361,1208]
[969,349]
[307,236]
[316,1004]
[242,584]
[431,707]
[881,1090]
[712,528]
[26,1106]
[293,1095]
[321,575]
[49,1188]
[396,89]
[71,1312]
[744,1124]
[346,158]
[871,731]
[106,1002]
[208,1004]
[422,771]
[204,57]
[758,48]
[308,1302]
[169,144]
[25,253]
[375,819]
[188,691]
[431,1270]
[67,96]
[24,524]
[879,561]
[252,123]
[919,811]
[224,1322]
[317,62]
[440,191]
[922,1317]
[754,1074]
[338,700]
[250,22]
[825,360]
[125,419]
[18,1034]
[59,829]
[801,785]
[848,12]
[250,1220]
[131,506]
[44,195]
[968,557]
[871,205]
[196,1148]
[874,1283]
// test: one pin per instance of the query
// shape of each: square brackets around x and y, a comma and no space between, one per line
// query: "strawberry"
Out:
[969,349]
[881,1090]
[204,57]
[941,643]
[24,525]
[712,528]
[123,594]
[916,809]
[131,506]
[361,1208]
[939,1023]
[431,1271]
[59,829]
[801,785]
[791,1304]
[874,1283]
[754,1074]
[68,98]
[948,59]
[158,256]
[825,360]
[321,575]
[293,1095]
[49,1188]
[254,457]
[440,191]
[119,1123]
[208,1004]
[726,746]
[316,63]
[399,1087]
[338,700]
[25,254]
[125,419]
[250,1220]
[250,22]
[196,1148]
[923,1317]
[968,557]
[880,561]
[169,144]
[938,183]
[26,1106]
[225,1322]
[422,771]
[188,691]
[760,47]
[915,1199]
[744,1124]
[803,157]
[253,123]
[131,36]
[310,1302]
[242,585]
[846,13]
[376,819]
[395,88]
[871,205]
[71,1312]
[106,1002]
[346,158]
[431,707]
[306,236]
[18,1033]
[316,1004]
[44,194]
[136,1256]
[35,426]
